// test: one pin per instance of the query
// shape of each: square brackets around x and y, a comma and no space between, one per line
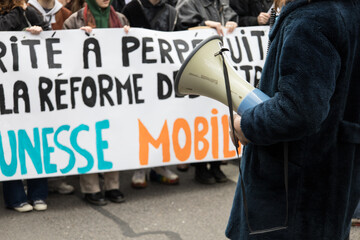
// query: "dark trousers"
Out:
[14,193]
[204,165]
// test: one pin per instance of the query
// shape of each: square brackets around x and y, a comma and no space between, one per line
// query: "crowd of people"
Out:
[36,16]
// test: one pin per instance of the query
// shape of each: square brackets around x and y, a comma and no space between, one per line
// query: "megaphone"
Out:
[202,73]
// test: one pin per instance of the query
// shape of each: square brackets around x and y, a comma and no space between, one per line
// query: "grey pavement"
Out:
[188,211]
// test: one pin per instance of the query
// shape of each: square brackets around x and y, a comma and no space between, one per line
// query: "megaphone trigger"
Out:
[221,51]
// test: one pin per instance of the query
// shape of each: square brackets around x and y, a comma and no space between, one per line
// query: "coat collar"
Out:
[285,11]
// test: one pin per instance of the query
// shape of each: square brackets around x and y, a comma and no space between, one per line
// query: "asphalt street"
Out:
[189,211]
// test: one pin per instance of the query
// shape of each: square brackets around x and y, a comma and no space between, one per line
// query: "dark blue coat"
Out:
[312,74]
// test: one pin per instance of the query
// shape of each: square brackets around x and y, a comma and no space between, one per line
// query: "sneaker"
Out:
[61,188]
[203,175]
[24,207]
[40,205]
[139,179]
[164,175]
[355,222]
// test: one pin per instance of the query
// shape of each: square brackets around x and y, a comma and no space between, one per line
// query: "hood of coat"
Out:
[48,16]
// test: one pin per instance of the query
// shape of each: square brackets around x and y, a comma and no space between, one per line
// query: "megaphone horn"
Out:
[202,73]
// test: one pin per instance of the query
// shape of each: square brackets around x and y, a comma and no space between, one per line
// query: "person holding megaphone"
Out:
[214,14]
[301,161]
[300,167]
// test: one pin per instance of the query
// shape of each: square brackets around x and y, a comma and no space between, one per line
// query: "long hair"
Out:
[278,4]
[7,5]
[75,5]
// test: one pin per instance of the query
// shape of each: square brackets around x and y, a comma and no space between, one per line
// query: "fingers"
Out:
[215,25]
[231,26]
[239,135]
[219,30]
[126,29]
[34,30]
[263,18]
[233,136]
[87,29]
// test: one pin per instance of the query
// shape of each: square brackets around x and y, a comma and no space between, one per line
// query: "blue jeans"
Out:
[14,193]
[357,211]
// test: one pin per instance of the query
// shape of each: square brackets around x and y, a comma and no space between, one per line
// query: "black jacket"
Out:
[118,5]
[18,19]
[248,10]
[142,14]
[193,13]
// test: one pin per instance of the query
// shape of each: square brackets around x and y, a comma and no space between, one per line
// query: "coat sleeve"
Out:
[188,15]
[12,21]
[242,8]
[75,21]
[308,68]
[35,18]
[230,14]
[123,19]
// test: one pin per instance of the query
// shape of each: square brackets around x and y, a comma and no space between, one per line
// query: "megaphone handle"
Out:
[246,211]
[229,100]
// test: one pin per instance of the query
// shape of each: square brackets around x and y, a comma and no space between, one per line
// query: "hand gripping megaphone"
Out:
[206,72]
[202,73]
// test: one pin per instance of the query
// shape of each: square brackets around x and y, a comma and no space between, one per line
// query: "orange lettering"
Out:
[215,135]
[181,153]
[226,136]
[145,139]
[200,137]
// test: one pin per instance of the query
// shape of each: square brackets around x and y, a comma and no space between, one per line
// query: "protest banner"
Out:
[76,103]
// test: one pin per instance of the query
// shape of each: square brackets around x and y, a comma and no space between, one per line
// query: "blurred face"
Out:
[103,3]
[64,2]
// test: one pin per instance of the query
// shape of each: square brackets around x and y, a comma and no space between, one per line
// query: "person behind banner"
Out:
[252,12]
[211,13]
[156,15]
[301,161]
[16,16]
[54,14]
[119,5]
[98,14]
[52,11]
[215,14]
[73,5]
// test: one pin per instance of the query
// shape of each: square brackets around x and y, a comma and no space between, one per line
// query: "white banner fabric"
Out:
[73,103]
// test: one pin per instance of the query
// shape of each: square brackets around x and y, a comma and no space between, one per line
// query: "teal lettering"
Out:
[47,150]
[65,149]
[9,170]
[34,151]
[101,145]
[81,151]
